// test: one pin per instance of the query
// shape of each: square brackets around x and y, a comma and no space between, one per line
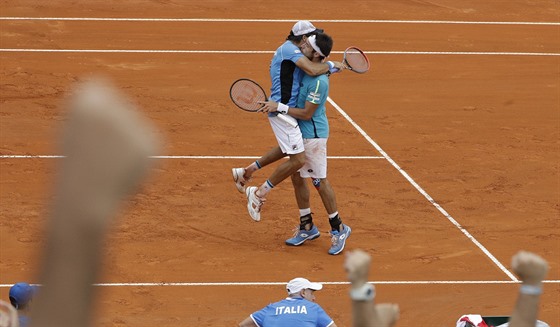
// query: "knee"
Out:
[299,160]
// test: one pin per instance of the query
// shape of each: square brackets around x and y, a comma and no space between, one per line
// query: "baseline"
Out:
[224,20]
[399,282]
[181,157]
[271,52]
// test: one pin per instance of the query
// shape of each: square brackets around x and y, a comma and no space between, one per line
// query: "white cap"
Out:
[303,27]
[298,284]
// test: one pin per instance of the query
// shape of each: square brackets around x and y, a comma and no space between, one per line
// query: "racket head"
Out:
[356,60]
[246,94]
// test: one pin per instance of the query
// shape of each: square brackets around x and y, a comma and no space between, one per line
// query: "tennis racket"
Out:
[356,60]
[246,94]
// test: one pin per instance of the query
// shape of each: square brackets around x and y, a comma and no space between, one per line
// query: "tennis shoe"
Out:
[254,203]
[338,239]
[238,178]
[302,235]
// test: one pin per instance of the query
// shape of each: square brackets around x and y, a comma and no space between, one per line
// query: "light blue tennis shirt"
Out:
[292,312]
[285,75]
[314,89]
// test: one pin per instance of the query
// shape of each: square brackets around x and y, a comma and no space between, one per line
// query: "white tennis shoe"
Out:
[238,178]
[254,203]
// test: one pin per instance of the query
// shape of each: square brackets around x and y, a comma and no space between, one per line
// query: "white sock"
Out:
[265,188]
[303,212]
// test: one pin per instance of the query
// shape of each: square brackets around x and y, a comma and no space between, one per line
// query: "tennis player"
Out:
[286,71]
[312,118]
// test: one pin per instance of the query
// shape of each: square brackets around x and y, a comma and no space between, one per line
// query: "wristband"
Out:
[530,290]
[365,293]
[332,68]
[282,108]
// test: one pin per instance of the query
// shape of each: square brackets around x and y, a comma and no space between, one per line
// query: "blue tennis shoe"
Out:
[302,235]
[338,239]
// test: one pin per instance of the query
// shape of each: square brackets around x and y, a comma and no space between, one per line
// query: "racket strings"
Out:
[357,60]
[247,95]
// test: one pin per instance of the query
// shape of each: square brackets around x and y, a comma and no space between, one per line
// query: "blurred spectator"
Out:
[364,312]
[8,315]
[531,270]
[107,147]
[21,296]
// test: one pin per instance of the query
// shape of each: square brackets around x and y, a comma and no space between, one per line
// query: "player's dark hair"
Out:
[293,38]
[17,305]
[325,43]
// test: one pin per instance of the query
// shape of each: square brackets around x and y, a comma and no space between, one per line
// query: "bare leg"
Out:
[328,196]
[271,156]
[287,168]
[301,191]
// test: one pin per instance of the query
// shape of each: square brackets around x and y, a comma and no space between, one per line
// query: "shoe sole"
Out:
[344,244]
[311,238]
[249,205]
[235,179]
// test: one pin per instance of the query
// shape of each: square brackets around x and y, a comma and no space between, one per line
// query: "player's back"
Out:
[292,312]
[285,75]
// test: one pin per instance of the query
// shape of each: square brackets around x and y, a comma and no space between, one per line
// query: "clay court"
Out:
[444,157]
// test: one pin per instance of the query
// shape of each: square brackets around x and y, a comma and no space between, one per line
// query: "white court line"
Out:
[419,282]
[225,20]
[426,195]
[477,53]
[377,147]
[180,157]
[512,277]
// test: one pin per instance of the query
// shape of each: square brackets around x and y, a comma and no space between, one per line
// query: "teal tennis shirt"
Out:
[314,89]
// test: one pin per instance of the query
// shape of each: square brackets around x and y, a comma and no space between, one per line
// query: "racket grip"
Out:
[289,120]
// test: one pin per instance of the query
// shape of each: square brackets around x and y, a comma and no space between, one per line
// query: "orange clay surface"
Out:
[478,133]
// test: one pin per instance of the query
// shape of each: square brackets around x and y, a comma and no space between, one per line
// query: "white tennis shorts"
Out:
[289,138]
[315,159]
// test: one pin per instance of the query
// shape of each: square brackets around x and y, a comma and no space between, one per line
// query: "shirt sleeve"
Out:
[291,52]
[323,318]
[258,317]
[317,92]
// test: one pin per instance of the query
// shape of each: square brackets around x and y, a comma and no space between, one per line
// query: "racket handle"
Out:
[289,120]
